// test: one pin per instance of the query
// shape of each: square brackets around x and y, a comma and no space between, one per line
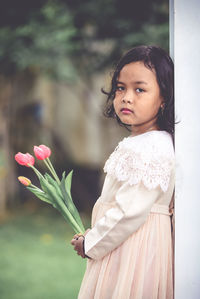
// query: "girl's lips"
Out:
[126,111]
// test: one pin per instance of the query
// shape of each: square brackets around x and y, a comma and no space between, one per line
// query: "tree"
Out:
[63,37]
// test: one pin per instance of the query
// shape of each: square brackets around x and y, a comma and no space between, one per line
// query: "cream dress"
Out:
[130,243]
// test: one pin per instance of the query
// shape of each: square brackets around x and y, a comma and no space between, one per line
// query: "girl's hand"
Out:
[78,243]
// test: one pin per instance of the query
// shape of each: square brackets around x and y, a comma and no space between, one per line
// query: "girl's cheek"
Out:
[114,103]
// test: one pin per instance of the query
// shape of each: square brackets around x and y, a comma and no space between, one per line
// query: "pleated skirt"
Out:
[140,268]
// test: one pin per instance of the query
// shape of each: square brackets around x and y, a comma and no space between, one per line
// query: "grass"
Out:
[36,258]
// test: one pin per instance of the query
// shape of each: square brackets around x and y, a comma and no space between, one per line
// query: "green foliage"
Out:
[62,38]
[44,43]
[149,34]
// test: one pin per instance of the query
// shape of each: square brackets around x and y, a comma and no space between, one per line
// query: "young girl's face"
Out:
[137,98]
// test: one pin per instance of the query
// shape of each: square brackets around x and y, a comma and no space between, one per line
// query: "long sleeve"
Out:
[133,204]
[143,167]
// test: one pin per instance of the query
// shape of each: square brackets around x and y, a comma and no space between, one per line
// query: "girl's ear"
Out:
[162,106]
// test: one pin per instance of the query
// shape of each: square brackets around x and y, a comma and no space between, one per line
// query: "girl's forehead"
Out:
[137,70]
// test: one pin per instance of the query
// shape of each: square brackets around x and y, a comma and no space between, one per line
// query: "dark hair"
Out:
[154,58]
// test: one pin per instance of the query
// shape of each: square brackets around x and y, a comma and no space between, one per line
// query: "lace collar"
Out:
[148,157]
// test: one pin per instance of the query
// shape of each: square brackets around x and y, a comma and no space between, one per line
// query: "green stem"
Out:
[39,175]
[52,170]
[67,215]
[35,187]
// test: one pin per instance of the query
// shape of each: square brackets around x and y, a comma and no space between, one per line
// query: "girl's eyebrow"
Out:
[119,82]
[140,82]
[135,82]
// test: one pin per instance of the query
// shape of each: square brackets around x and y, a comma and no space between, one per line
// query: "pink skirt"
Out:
[140,268]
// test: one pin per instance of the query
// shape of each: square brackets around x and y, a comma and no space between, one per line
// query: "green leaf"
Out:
[68,183]
[46,187]
[53,182]
[65,187]
[40,194]
[51,188]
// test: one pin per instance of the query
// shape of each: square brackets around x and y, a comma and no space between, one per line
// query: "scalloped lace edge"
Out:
[152,167]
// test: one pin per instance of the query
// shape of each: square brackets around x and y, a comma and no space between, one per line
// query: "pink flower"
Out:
[25,159]
[25,181]
[42,152]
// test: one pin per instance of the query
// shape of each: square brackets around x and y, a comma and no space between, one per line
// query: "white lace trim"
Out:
[148,157]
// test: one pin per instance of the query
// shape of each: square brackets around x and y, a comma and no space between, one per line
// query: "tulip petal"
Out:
[46,150]
[39,153]
[31,159]
[24,159]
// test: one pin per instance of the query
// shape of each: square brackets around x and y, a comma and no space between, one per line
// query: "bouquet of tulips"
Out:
[53,191]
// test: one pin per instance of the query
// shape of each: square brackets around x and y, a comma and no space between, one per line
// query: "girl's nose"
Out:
[127,98]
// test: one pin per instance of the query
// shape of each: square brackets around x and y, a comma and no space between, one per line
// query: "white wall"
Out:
[187,143]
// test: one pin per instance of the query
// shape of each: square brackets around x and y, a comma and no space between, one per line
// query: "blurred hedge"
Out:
[61,37]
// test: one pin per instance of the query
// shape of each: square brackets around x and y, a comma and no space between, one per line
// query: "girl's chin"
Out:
[127,124]
[126,121]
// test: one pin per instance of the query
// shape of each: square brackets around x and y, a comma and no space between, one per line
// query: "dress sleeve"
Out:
[143,165]
[133,204]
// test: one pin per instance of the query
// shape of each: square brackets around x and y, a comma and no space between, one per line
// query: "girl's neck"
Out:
[137,130]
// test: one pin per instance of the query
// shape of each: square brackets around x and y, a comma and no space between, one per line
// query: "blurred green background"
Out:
[55,56]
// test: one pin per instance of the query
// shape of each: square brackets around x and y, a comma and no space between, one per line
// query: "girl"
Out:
[129,247]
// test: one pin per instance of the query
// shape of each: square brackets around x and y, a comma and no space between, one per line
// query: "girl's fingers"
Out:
[73,241]
[78,246]
[75,237]
[77,242]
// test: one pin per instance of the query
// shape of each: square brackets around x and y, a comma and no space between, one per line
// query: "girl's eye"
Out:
[119,88]
[139,90]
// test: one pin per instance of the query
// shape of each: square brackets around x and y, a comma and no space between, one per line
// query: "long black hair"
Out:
[154,58]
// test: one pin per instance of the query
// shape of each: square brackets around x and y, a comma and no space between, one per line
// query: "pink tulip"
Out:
[31,159]
[25,181]
[46,150]
[42,152]
[25,159]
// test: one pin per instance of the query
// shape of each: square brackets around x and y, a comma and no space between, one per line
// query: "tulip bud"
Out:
[25,159]
[42,152]
[25,181]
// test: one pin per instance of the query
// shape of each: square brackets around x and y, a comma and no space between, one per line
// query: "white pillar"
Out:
[187,142]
